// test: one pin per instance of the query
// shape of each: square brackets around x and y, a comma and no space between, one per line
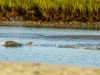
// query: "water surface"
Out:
[59,46]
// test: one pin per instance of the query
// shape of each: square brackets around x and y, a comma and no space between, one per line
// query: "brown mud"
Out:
[39,24]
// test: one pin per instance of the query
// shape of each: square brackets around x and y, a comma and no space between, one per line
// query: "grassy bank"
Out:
[51,10]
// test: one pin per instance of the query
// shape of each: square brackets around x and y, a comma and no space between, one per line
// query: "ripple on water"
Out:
[81,46]
[71,51]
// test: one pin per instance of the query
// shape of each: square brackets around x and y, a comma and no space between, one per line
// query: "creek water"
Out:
[55,46]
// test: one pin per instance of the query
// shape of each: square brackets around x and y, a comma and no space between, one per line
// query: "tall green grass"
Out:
[65,5]
[55,7]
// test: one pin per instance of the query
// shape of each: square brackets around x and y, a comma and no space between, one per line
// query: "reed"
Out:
[53,6]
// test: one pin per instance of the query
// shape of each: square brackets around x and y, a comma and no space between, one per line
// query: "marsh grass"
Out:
[69,10]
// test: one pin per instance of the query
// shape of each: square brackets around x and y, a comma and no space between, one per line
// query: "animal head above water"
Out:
[29,43]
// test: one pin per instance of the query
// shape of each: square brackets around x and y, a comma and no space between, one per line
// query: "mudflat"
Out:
[26,68]
[39,24]
[96,37]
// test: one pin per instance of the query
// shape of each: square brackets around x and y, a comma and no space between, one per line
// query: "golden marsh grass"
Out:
[69,10]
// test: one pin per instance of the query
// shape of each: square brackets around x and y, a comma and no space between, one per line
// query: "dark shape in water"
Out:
[14,44]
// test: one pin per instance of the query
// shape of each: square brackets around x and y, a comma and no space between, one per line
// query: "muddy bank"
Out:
[13,68]
[71,25]
[95,37]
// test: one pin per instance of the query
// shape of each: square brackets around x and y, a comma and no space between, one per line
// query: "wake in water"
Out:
[58,40]
[82,46]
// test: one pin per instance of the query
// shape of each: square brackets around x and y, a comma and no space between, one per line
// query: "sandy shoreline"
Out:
[26,68]
[71,25]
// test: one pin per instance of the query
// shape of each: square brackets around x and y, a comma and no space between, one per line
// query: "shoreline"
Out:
[63,25]
[31,68]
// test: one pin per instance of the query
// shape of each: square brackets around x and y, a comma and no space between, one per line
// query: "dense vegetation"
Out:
[51,10]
